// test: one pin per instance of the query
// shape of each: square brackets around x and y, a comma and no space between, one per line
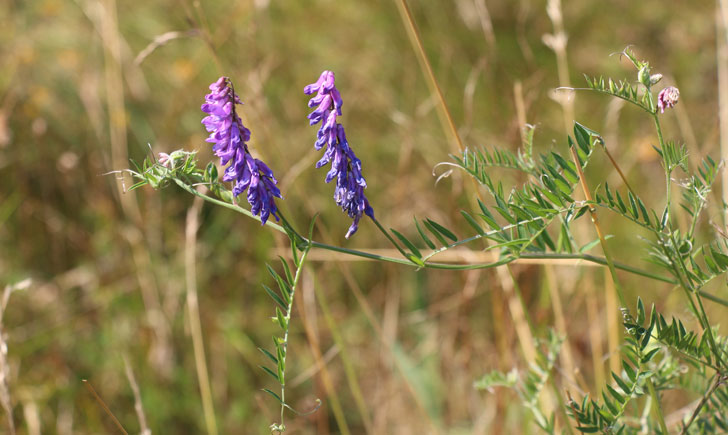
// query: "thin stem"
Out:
[719,379]
[287,225]
[599,91]
[656,408]
[487,234]
[349,370]
[694,220]
[600,234]
[713,298]
[227,205]
[699,311]
[562,405]
[104,406]
[619,170]
[684,281]
[420,49]
[686,355]
[721,24]
[143,426]
[284,343]
[668,183]
[433,265]
[617,286]
[709,331]
[193,310]
[364,254]
[603,262]
[389,237]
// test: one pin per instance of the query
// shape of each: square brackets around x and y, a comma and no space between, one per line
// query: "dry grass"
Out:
[87,84]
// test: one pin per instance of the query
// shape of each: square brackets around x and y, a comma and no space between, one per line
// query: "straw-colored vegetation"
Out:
[145,309]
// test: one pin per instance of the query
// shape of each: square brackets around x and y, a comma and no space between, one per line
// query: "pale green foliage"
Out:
[519,220]
[657,354]
[646,359]
[529,385]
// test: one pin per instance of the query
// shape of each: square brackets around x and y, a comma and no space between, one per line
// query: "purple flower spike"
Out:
[229,135]
[667,98]
[345,166]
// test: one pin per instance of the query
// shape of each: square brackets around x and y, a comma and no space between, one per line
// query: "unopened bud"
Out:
[644,76]
[165,160]
[655,78]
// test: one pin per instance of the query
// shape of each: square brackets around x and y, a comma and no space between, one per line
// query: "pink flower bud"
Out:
[164,160]
[667,98]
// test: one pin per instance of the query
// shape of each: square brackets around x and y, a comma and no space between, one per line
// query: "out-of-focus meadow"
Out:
[86,85]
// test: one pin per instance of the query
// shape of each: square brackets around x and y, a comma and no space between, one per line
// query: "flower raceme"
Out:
[667,98]
[229,136]
[345,166]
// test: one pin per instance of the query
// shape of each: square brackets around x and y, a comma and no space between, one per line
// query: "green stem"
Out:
[684,281]
[287,226]
[709,331]
[227,205]
[661,143]
[284,343]
[681,273]
[599,91]
[668,183]
[434,265]
[713,298]
[487,234]
[686,355]
[600,261]
[389,237]
[694,220]
[656,408]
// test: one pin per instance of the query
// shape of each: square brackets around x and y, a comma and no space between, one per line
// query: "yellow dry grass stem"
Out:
[193,310]
[721,21]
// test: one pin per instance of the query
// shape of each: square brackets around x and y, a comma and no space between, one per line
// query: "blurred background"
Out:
[86,85]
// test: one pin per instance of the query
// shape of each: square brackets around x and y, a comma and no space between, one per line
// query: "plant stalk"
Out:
[719,379]
[194,316]
[597,226]
[433,265]
[430,75]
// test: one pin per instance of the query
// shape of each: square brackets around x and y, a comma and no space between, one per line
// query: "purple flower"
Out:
[229,135]
[667,98]
[345,166]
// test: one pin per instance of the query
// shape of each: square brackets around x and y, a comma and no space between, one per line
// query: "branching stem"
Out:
[719,380]
[433,265]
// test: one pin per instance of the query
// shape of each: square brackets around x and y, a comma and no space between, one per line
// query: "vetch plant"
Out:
[229,135]
[345,166]
[532,220]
